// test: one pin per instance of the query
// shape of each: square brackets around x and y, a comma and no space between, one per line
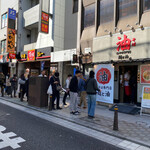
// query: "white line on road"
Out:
[8,141]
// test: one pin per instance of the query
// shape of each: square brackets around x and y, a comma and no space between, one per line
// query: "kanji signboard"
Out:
[146,97]
[12,56]
[45,22]
[31,55]
[11,14]
[11,40]
[125,44]
[105,81]
[145,74]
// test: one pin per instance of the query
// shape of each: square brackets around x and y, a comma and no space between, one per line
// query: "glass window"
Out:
[127,8]
[146,4]
[3,46]
[4,20]
[75,6]
[106,11]
[89,15]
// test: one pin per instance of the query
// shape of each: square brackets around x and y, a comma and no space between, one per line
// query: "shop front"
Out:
[129,53]
[37,60]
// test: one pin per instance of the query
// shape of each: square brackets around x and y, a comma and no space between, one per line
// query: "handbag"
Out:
[58,88]
[50,91]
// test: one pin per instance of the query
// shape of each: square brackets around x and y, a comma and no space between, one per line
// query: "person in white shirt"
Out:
[43,74]
[67,88]
[127,87]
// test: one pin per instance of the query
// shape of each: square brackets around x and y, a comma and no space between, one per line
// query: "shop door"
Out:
[128,89]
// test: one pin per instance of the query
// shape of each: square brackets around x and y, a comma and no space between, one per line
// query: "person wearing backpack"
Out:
[91,89]
[82,83]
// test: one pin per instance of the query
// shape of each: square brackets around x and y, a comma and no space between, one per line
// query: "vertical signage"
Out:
[45,22]
[145,74]
[11,30]
[105,80]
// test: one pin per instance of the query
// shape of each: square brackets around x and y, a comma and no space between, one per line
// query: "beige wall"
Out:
[104,48]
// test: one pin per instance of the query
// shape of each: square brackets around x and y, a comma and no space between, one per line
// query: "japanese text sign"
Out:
[12,56]
[146,97]
[31,55]
[125,44]
[11,40]
[145,74]
[45,22]
[12,14]
[105,80]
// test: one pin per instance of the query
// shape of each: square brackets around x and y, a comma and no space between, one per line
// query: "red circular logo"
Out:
[103,76]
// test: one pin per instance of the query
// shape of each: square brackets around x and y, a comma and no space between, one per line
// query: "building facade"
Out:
[117,32]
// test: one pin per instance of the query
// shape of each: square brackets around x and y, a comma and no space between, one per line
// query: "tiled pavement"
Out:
[131,128]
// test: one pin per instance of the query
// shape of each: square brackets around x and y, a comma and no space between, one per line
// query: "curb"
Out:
[61,117]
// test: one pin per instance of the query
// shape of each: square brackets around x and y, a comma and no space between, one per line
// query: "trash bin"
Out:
[38,91]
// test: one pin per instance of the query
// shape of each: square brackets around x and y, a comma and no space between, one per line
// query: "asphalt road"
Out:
[44,135]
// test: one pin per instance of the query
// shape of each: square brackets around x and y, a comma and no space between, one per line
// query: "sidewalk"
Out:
[132,128]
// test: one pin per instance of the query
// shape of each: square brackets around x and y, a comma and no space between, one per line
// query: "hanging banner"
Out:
[12,56]
[104,75]
[146,97]
[145,74]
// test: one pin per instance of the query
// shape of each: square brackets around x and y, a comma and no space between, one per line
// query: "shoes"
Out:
[79,105]
[84,107]
[59,108]
[64,103]
[90,117]
[72,113]
[76,113]
[53,109]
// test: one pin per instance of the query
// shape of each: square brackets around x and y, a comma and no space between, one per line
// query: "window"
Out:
[106,11]
[127,8]
[75,6]
[146,4]
[4,20]
[89,15]
[3,46]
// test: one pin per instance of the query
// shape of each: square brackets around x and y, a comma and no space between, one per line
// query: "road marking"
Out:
[8,141]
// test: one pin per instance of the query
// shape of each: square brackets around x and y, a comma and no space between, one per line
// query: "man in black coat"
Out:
[74,93]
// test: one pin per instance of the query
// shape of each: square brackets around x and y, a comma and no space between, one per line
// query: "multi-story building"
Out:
[116,32]
[4,61]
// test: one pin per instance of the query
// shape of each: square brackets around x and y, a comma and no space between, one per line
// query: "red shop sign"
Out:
[31,55]
[126,43]
[12,56]
[103,76]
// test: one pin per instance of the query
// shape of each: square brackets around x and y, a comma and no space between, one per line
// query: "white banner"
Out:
[146,97]
[104,75]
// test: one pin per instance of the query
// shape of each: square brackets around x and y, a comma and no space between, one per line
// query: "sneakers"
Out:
[91,117]
[84,107]
[75,113]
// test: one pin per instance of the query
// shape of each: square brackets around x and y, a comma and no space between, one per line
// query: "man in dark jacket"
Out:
[2,80]
[13,81]
[74,93]
[56,87]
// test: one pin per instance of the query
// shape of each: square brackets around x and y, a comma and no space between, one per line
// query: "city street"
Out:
[38,134]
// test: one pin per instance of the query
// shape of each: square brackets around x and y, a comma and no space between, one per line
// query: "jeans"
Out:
[55,95]
[91,105]
[65,96]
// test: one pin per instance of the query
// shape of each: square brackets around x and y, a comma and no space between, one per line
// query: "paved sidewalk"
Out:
[131,128]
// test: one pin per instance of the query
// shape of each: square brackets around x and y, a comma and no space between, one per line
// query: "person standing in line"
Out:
[13,81]
[2,81]
[43,74]
[56,87]
[8,85]
[91,89]
[74,93]
[22,83]
[127,87]
[67,88]
[81,88]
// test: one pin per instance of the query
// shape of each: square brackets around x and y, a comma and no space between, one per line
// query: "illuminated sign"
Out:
[31,55]
[11,40]
[12,56]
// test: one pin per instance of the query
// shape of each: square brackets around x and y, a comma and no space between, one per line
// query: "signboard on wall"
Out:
[31,55]
[11,30]
[145,74]
[44,22]
[146,97]
[104,75]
